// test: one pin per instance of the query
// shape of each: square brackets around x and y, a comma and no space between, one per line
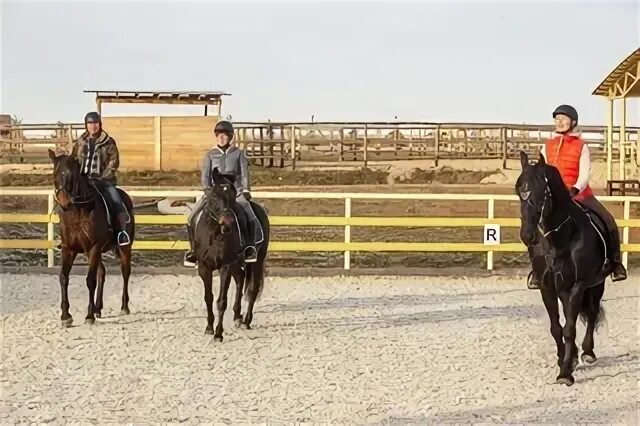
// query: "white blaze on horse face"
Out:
[525,192]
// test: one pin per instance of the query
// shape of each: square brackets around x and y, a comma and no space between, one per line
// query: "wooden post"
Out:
[293,147]
[99,106]
[70,137]
[437,145]
[503,137]
[622,136]
[205,110]
[157,143]
[366,144]
[610,139]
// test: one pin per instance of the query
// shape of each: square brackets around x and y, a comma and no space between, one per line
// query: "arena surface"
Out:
[381,350]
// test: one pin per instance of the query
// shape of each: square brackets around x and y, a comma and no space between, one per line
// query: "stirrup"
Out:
[253,257]
[189,260]
[126,241]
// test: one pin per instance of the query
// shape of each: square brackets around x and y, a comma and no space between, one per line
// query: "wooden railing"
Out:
[280,144]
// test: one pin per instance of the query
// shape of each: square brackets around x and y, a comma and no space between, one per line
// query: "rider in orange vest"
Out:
[570,155]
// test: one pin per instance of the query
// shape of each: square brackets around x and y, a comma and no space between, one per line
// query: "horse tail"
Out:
[253,280]
[592,306]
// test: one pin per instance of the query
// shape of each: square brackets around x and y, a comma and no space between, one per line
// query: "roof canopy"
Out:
[622,82]
[193,97]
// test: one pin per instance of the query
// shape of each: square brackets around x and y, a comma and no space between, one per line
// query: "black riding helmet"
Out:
[224,126]
[567,110]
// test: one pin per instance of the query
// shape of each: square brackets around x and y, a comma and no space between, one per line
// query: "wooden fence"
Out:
[346,221]
[178,143]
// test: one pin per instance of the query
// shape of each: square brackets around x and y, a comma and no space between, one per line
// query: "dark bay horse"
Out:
[84,228]
[575,247]
[217,246]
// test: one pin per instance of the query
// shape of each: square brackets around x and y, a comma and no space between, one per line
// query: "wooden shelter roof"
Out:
[623,80]
[191,97]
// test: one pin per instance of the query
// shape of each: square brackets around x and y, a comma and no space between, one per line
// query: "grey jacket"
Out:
[233,161]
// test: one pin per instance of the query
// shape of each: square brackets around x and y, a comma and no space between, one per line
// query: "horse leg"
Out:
[206,275]
[125,268]
[221,303]
[255,283]
[95,259]
[238,277]
[100,275]
[592,310]
[68,257]
[550,300]
[571,305]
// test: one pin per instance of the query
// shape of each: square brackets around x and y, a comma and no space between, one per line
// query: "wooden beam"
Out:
[157,101]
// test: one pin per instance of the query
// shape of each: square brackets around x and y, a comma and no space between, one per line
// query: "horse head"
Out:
[221,197]
[542,196]
[66,178]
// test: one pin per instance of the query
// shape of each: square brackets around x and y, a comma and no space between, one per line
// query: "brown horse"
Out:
[84,228]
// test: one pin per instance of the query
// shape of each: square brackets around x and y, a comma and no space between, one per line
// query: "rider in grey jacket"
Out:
[229,160]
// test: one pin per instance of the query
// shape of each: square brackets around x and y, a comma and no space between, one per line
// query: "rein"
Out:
[547,194]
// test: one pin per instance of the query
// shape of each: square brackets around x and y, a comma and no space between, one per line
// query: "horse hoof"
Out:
[244,326]
[238,323]
[89,321]
[124,311]
[217,338]
[588,359]
[208,330]
[98,315]
[567,381]
[66,323]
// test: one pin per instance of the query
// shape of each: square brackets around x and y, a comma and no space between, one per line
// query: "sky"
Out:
[511,62]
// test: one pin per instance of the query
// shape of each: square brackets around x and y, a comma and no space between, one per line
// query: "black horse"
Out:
[84,228]
[575,246]
[217,246]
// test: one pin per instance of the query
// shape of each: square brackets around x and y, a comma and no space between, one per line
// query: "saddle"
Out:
[599,225]
[107,204]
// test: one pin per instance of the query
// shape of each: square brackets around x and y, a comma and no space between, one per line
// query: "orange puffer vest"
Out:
[567,160]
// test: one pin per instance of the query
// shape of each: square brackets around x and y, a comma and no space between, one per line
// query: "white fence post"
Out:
[50,234]
[490,213]
[625,232]
[347,233]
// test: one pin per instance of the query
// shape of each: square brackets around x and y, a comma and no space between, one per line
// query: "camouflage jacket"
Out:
[98,157]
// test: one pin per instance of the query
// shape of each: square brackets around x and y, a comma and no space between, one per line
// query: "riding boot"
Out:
[123,236]
[250,253]
[619,272]
[190,257]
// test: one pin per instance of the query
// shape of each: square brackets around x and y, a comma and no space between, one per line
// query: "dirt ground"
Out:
[357,350]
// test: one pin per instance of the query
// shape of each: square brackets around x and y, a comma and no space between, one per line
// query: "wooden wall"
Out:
[161,143]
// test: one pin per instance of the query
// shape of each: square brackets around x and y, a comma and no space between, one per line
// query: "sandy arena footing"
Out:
[381,350]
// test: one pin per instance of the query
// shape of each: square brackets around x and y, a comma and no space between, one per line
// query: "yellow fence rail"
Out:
[346,221]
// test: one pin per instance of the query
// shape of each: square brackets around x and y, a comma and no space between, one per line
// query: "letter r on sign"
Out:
[491,234]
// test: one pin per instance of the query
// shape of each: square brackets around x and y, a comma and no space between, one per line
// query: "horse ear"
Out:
[52,155]
[524,159]
[541,160]
[216,174]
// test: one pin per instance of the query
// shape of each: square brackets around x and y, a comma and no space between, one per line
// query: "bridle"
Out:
[547,197]
[218,216]
[71,191]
